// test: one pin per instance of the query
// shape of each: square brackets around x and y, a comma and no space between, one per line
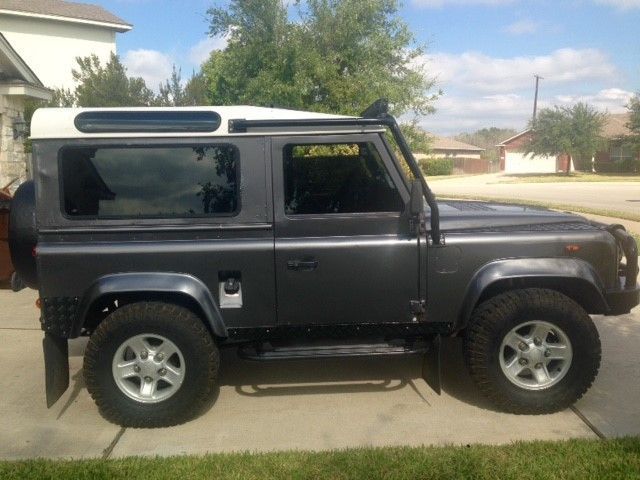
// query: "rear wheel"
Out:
[151,364]
[532,351]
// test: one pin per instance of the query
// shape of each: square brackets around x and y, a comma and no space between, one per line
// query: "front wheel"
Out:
[532,351]
[150,364]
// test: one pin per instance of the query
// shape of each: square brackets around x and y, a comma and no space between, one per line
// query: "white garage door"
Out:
[517,162]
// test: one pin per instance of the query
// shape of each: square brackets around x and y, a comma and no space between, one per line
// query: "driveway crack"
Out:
[588,423]
[106,453]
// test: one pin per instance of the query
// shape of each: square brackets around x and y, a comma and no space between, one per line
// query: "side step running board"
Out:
[265,352]
[431,371]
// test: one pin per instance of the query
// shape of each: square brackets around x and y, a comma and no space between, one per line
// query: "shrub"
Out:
[625,166]
[432,167]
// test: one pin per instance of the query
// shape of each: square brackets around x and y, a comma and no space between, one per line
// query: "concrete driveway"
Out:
[618,196]
[301,405]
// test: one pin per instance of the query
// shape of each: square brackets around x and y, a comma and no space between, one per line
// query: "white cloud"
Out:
[477,72]
[620,4]
[483,91]
[459,113]
[443,3]
[613,100]
[522,27]
[153,66]
[199,53]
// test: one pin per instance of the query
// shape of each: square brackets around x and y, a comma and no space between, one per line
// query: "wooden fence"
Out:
[473,165]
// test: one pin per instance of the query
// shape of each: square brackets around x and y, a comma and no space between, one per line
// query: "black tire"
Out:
[495,318]
[23,235]
[180,326]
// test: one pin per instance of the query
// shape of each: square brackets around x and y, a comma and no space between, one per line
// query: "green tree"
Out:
[62,97]
[487,138]
[574,131]
[173,94]
[108,85]
[634,121]
[195,91]
[418,140]
[337,56]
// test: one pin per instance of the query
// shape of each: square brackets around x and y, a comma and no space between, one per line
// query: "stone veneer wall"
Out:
[13,159]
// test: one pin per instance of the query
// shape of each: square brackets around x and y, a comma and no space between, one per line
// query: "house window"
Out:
[620,153]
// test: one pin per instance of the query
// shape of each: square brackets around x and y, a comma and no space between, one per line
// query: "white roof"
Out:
[58,123]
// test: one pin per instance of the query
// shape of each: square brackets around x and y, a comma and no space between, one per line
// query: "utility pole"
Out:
[535,100]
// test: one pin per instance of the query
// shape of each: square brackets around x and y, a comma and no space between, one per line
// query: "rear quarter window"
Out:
[150,181]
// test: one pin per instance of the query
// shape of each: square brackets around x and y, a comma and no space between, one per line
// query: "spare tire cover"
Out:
[23,234]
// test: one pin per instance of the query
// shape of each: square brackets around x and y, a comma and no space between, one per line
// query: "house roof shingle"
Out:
[444,143]
[616,125]
[64,9]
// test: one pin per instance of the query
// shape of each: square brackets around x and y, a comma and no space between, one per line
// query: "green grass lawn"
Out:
[432,178]
[573,459]
[572,177]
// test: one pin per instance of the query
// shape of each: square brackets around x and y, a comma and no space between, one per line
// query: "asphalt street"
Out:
[312,405]
[616,196]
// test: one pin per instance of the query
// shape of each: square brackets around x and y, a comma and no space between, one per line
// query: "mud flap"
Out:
[56,367]
[431,365]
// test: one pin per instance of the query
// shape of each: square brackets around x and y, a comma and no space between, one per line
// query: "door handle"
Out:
[302,265]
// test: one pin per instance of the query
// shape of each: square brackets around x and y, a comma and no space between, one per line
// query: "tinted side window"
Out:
[150,181]
[337,178]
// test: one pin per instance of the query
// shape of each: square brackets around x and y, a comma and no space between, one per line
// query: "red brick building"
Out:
[616,156]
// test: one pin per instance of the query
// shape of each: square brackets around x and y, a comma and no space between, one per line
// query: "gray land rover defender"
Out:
[167,234]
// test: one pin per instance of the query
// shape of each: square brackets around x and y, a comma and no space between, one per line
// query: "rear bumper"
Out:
[622,301]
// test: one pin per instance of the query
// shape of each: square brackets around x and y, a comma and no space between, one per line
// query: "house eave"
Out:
[508,140]
[21,89]
[118,27]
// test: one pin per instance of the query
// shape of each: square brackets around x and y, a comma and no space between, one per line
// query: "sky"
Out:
[483,53]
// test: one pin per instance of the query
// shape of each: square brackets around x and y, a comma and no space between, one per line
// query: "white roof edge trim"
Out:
[58,123]
[25,90]
[120,27]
